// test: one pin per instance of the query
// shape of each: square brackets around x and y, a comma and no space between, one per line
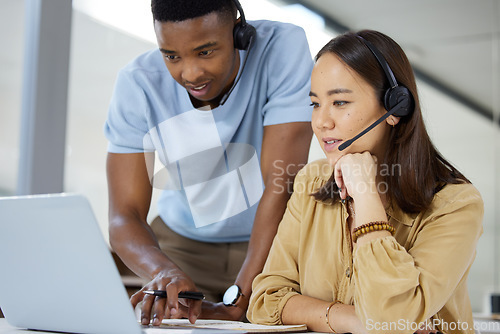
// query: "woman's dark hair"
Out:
[181,10]
[422,170]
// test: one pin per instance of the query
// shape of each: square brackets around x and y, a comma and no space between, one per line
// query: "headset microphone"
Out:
[348,143]
[398,100]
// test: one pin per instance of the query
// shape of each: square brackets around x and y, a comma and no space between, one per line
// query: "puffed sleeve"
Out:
[279,280]
[395,285]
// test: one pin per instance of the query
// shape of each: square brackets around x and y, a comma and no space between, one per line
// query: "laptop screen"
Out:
[57,270]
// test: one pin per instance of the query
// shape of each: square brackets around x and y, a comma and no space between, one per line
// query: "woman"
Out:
[380,236]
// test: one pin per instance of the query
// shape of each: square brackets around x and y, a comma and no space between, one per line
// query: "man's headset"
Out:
[398,100]
[243,35]
[243,32]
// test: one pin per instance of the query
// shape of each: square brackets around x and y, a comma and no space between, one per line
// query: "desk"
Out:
[5,328]
[483,327]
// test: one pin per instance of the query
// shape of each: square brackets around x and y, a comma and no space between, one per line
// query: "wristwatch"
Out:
[232,295]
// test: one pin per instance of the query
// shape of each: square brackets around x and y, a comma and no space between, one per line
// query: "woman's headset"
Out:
[395,93]
[398,100]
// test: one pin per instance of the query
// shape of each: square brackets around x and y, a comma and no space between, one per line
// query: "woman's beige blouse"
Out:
[395,282]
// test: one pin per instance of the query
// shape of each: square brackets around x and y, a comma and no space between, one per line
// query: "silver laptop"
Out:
[57,272]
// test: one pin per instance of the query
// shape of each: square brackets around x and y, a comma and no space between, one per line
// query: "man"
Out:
[231,128]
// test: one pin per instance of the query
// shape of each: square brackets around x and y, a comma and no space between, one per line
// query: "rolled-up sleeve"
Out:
[399,286]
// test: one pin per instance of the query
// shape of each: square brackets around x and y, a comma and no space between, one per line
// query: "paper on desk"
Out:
[185,330]
[232,325]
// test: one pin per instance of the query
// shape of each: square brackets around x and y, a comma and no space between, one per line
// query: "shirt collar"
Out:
[395,212]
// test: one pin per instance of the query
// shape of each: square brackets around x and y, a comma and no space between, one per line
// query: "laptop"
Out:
[57,272]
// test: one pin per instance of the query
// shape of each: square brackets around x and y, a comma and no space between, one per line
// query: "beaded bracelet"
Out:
[372,227]
[328,311]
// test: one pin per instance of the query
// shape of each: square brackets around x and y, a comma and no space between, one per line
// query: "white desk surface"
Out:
[482,326]
[5,328]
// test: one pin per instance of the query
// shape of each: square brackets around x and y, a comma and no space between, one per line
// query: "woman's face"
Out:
[344,105]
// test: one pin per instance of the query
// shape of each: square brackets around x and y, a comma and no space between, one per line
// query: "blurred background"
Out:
[454,46]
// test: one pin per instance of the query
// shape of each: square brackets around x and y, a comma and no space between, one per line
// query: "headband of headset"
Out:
[396,95]
[243,33]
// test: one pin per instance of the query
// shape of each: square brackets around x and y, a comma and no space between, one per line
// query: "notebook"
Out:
[57,273]
[235,326]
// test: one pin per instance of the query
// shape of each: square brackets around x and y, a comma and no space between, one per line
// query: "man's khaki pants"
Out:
[212,266]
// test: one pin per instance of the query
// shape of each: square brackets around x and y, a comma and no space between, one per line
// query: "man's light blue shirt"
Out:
[211,176]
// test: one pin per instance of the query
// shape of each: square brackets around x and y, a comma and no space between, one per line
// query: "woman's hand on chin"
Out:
[355,175]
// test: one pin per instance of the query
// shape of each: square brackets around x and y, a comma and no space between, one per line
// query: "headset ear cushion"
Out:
[242,35]
[398,94]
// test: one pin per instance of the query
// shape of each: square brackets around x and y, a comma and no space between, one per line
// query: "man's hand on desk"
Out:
[172,281]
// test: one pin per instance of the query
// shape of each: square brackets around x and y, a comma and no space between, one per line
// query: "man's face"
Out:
[200,55]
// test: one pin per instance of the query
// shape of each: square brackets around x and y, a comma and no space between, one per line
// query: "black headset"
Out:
[395,93]
[243,36]
[243,33]
[398,100]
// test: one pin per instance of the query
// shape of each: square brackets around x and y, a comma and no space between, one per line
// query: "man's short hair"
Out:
[180,10]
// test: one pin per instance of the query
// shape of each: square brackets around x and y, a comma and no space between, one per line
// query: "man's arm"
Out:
[285,150]
[133,240]
[129,200]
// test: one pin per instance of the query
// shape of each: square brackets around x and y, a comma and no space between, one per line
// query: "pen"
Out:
[183,294]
